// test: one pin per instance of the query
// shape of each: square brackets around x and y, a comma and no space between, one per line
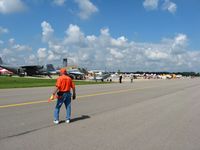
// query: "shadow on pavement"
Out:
[83,117]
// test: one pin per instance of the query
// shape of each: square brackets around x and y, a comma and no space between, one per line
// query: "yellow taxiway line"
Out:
[78,97]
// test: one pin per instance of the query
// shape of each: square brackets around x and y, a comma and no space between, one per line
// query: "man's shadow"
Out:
[83,117]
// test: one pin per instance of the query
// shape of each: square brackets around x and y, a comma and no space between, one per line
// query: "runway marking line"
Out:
[78,97]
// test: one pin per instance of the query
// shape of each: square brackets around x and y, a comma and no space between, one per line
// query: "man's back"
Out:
[64,83]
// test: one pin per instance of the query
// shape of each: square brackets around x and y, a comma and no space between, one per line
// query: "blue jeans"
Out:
[66,99]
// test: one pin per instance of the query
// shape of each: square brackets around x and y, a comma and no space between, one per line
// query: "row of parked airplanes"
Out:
[47,70]
[35,70]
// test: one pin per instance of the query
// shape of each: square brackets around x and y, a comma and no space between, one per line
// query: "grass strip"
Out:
[22,82]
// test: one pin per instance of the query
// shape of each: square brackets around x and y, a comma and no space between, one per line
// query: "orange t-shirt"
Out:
[64,83]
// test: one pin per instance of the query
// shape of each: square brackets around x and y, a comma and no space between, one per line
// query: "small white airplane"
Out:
[76,74]
[99,75]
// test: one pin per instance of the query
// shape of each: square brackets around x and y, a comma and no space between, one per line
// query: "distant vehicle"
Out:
[30,70]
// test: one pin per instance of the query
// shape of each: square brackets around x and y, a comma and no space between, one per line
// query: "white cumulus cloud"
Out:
[170,6]
[42,54]
[3,30]
[87,8]
[98,52]
[180,40]
[47,31]
[14,52]
[11,41]
[116,54]
[166,5]
[156,55]
[11,6]
[31,59]
[121,41]
[52,56]
[150,4]
[59,2]
[105,51]
[19,47]
[74,34]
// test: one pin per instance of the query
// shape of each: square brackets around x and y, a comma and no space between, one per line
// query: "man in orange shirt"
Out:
[63,86]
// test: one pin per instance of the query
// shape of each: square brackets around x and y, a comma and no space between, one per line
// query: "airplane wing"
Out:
[34,70]
[32,67]
[76,75]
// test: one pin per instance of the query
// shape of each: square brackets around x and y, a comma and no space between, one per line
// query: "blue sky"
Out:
[130,35]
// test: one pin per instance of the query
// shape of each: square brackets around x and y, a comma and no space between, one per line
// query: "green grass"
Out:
[22,82]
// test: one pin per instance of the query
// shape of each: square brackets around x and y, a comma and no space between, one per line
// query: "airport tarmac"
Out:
[145,115]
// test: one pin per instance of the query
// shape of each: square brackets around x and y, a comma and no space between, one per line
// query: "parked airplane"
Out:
[76,74]
[5,72]
[30,70]
[99,75]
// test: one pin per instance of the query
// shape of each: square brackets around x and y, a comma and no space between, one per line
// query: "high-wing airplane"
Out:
[76,74]
[99,75]
[30,70]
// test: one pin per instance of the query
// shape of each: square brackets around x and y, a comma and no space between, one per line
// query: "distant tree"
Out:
[198,74]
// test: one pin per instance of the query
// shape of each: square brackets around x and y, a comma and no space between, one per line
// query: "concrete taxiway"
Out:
[146,115]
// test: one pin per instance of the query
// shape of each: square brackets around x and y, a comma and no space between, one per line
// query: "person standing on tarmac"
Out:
[120,78]
[63,86]
[131,78]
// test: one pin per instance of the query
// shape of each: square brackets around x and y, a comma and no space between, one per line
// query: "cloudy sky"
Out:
[130,35]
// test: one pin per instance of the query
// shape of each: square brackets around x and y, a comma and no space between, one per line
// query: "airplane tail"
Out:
[50,67]
[51,70]
[1,62]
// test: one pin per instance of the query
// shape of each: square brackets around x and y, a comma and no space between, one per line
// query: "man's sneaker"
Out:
[56,122]
[67,121]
